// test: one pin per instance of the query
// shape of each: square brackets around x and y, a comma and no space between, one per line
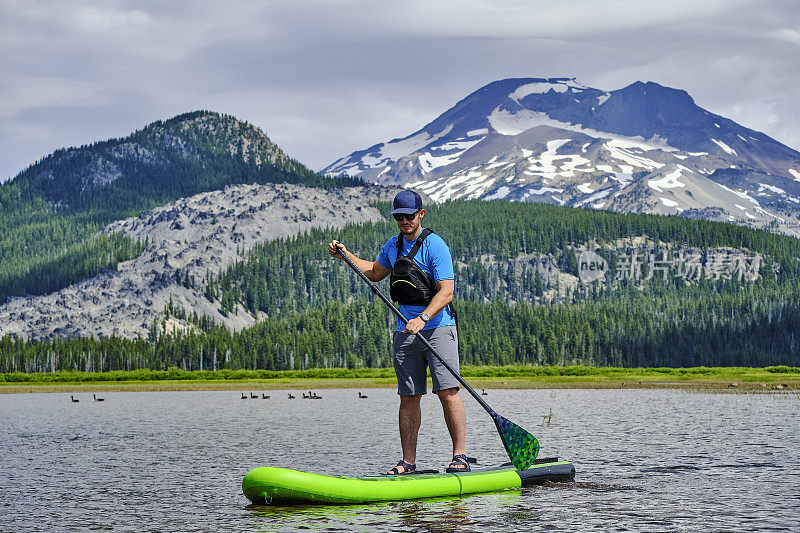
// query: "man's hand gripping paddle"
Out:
[521,446]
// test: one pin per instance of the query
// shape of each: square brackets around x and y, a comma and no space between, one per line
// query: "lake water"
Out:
[646,460]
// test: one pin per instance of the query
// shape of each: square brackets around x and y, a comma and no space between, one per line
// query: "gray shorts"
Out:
[412,358]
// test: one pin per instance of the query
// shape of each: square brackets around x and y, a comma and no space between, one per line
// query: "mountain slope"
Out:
[519,289]
[643,148]
[188,240]
[170,159]
[57,204]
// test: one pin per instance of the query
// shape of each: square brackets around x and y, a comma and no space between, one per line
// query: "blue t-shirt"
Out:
[435,259]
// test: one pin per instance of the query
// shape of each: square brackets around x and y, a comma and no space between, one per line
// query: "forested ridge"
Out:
[316,314]
[644,330]
[50,212]
[496,247]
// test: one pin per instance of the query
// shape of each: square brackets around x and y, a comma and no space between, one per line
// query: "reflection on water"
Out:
[646,460]
[432,514]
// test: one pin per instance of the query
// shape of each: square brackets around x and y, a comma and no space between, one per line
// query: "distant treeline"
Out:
[640,329]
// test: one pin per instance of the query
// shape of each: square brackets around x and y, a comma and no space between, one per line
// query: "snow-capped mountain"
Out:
[643,148]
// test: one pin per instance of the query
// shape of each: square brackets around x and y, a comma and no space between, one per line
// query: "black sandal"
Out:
[407,469]
[457,462]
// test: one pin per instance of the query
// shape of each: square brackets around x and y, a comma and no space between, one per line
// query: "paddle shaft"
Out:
[424,341]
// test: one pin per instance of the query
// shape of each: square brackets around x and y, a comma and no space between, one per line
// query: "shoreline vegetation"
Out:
[490,377]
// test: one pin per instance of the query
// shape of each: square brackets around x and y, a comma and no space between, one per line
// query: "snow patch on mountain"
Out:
[724,146]
[430,162]
[468,184]
[499,194]
[670,181]
[762,186]
[544,190]
[541,87]
[667,202]
[630,152]
[593,197]
[740,194]
[480,131]
[545,164]
[505,122]
[602,99]
[762,210]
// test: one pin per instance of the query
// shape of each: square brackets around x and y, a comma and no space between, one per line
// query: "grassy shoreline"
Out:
[509,377]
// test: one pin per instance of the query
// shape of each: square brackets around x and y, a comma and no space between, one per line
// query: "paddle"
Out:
[521,446]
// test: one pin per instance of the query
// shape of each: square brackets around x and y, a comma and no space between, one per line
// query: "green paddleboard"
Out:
[282,485]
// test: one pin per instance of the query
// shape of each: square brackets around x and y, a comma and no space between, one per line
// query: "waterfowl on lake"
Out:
[361,395]
[290,396]
[264,396]
[95,398]
[73,399]
[548,418]
[306,396]
[244,396]
[253,396]
[484,393]
[315,397]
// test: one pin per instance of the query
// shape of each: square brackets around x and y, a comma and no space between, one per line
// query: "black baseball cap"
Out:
[407,202]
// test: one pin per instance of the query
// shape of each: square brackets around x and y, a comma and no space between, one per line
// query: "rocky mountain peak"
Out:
[188,132]
[641,148]
[195,151]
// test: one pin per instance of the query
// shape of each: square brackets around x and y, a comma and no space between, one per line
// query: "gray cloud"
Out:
[325,77]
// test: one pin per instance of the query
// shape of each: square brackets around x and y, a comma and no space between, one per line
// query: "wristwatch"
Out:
[424,317]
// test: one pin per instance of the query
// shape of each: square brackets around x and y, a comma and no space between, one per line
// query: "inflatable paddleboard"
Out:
[281,485]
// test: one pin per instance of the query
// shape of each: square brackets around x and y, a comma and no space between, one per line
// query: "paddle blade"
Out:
[521,447]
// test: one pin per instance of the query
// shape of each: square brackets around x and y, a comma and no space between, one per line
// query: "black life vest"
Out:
[409,284]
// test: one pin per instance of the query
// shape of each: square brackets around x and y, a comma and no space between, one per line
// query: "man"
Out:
[424,288]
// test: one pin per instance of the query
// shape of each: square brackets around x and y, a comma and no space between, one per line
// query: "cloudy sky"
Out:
[325,77]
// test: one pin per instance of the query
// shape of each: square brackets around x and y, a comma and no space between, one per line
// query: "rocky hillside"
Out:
[169,159]
[191,237]
[642,148]
[49,212]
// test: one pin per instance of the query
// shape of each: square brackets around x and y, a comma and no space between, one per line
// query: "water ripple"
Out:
[646,460]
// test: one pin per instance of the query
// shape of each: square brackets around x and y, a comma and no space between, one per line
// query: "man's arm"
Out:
[443,296]
[374,271]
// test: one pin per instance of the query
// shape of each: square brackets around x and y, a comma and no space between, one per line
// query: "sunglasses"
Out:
[400,216]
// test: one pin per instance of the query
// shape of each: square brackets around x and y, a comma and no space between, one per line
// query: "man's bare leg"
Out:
[409,418]
[455,417]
